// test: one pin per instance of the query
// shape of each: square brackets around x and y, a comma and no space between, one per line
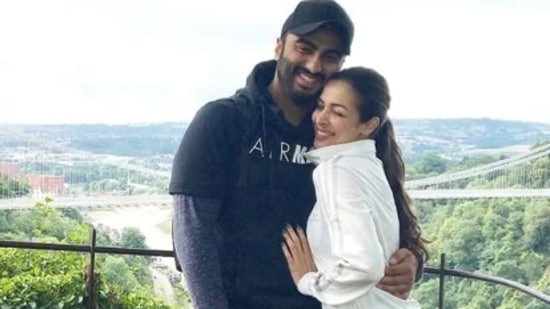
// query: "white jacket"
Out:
[353,229]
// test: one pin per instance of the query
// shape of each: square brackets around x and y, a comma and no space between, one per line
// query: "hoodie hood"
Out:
[258,82]
[257,92]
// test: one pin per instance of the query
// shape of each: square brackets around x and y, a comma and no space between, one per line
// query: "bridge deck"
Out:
[133,200]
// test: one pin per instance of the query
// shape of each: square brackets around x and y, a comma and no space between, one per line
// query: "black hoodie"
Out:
[242,152]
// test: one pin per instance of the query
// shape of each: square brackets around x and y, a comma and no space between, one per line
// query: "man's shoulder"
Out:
[238,101]
[233,109]
[215,111]
[218,105]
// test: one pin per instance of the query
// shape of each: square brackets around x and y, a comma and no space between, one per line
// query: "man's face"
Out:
[305,63]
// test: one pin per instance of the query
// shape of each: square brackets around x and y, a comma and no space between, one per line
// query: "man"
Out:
[239,176]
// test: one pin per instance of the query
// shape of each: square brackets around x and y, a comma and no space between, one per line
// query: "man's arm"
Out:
[199,184]
[401,273]
[194,232]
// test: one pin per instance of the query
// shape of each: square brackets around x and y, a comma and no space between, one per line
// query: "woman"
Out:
[362,212]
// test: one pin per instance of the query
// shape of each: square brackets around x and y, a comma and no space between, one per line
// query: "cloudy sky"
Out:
[115,61]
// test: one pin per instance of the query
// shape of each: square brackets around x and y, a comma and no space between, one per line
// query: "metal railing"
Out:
[442,271]
[92,249]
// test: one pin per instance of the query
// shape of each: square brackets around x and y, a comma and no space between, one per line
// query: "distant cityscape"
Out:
[51,185]
[59,160]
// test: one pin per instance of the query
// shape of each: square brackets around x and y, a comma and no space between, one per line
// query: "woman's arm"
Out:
[355,248]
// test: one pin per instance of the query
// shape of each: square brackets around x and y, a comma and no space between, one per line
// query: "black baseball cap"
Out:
[309,15]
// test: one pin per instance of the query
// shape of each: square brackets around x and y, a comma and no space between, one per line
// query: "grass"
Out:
[165,226]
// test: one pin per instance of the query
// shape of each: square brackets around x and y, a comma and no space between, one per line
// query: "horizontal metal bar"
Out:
[491,279]
[169,253]
[84,248]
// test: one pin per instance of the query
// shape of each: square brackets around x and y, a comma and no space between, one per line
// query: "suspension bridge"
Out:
[84,180]
[513,177]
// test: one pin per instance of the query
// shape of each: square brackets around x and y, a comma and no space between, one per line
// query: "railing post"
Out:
[441,281]
[90,285]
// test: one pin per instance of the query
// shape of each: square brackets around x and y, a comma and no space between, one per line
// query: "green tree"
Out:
[131,237]
[431,164]
[40,279]
[537,234]
[473,161]
[116,271]
[502,237]
[10,188]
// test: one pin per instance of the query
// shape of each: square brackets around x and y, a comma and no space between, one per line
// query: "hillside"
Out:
[451,138]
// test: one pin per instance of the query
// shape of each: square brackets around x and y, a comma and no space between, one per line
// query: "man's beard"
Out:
[286,70]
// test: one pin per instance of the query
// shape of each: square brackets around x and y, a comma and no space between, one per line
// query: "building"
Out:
[47,184]
[12,170]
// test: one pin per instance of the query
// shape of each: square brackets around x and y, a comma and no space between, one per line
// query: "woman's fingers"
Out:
[297,253]
[292,240]
[303,239]
[292,234]
[289,242]
[286,252]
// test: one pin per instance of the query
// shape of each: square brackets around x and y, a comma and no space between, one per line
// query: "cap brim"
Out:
[308,28]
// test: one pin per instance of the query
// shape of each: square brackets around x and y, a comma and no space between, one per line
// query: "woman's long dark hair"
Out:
[373,95]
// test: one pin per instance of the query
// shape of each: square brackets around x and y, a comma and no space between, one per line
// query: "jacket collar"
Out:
[365,146]
[258,81]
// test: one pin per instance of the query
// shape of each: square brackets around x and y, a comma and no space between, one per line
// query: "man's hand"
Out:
[400,274]
[297,253]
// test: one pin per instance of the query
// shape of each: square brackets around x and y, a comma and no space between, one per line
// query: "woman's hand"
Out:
[297,253]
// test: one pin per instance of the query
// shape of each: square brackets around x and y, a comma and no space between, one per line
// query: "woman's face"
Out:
[336,117]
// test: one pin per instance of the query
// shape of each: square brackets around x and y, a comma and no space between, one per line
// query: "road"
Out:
[146,219]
